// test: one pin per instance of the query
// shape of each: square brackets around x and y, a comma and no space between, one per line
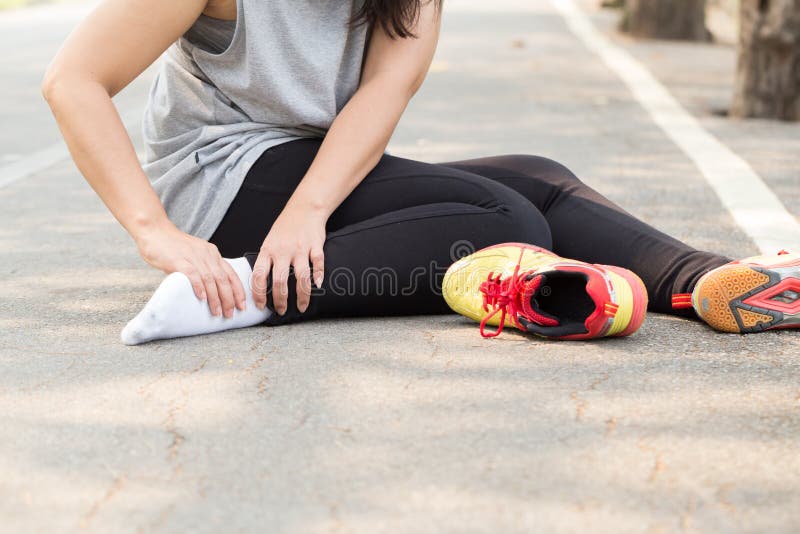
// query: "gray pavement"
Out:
[410,424]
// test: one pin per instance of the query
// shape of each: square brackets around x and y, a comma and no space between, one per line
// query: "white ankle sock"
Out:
[175,311]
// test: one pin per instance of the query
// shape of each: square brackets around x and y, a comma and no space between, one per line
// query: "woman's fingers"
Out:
[235,283]
[303,287]
[210,285]
[318,261]
[224,290]
[283,259]
[280,284]
[194,278]
[259,280]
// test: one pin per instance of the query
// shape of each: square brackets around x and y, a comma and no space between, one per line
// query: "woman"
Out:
[266,130]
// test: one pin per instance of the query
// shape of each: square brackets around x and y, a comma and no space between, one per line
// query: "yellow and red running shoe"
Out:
[536,291]
[749,295]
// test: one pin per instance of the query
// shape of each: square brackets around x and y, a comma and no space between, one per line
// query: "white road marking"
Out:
[32,163]
[753,205]
[49,156]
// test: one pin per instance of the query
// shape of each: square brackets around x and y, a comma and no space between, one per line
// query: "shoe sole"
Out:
[750,298]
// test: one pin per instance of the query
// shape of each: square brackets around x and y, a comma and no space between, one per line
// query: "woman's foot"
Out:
[514,284]
[750,295]
[175,311]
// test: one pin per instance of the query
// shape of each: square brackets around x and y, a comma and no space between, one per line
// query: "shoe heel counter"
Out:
[631,296]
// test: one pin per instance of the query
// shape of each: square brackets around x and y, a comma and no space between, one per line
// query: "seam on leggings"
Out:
[486,211]
[489,201]
[558,192]
[387,178]
[267,187]
[274,190]
[430,175]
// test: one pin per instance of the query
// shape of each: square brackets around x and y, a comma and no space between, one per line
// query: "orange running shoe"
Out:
[749,295]
[536,291]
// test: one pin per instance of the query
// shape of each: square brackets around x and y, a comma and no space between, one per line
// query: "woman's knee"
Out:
[540,168]
[525,223]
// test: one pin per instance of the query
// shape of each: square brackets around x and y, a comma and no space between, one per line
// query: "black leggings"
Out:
[390,242]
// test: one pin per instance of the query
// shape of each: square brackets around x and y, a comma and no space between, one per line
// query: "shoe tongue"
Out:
[535,287]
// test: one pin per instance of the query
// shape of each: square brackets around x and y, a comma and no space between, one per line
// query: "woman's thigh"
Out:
[394,184]
[542,181]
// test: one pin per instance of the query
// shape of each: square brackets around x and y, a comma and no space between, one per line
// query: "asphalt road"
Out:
[411,424]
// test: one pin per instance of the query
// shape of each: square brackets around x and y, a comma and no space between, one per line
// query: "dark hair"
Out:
[397,17]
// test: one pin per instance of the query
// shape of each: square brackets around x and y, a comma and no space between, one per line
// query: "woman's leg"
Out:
[587,226]
[392,239]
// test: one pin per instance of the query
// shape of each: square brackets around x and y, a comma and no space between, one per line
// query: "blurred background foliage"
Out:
[766,32]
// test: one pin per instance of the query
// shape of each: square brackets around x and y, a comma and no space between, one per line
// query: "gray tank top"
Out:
[226,92]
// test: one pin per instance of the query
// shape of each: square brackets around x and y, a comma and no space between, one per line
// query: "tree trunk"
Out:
[768,74]
[666,19]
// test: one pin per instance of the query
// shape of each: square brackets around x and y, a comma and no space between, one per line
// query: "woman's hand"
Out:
[167,248]
[295,239]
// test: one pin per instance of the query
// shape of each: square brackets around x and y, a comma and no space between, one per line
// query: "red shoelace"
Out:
[505,297]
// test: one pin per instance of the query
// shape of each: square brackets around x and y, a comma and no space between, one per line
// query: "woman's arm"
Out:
[115,43]
[394,69]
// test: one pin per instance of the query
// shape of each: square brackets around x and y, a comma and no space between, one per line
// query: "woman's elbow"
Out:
[52,84]
[59,85]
